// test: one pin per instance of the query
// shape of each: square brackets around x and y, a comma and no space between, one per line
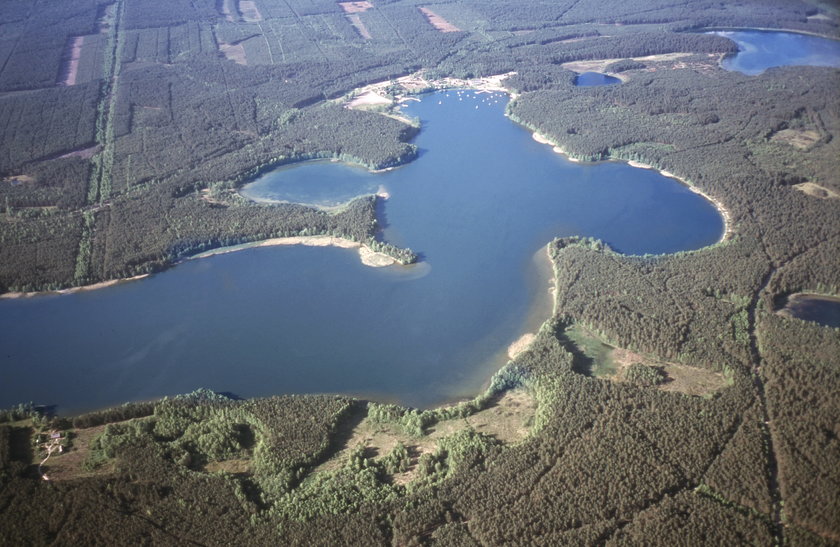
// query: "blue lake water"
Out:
[760,50]
[591,79]
[480,203]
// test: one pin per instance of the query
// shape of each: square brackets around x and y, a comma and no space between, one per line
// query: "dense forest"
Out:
[665,402]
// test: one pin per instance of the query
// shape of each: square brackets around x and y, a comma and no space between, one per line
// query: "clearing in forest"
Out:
[817,191]
[508,419]
[234,52]
[802,139]
[225,10]
[355,7]
[69,464]
[602,360]
[249,11]
[359,26]
[70,61]
[439,22]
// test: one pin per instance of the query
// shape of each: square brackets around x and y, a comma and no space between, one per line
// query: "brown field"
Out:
[224,9]
[240,466]
[70,61]
[69,465]
[798,138]
[355,7]
[249,11]
[508,420]
[18,179]
[84,153]
[235,53]
[600,65]
[817,191]
[360,27]
[681,378]
[439,22]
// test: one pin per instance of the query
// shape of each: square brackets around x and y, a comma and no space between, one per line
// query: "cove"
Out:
[479,205]
[761,49]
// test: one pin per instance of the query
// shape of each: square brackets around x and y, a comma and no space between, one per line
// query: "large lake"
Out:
[479,204]
[760,50]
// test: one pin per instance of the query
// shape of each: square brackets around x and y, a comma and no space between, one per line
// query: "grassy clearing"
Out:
[69,465]
[611,363]
[817,191]
[802,139]
[240,466]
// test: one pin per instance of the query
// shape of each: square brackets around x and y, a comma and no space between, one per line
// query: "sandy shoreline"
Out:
[376,94]
[728,229]
[71,290]
[368,256]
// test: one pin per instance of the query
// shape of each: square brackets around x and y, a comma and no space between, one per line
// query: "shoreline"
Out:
[726,215]
[71,290]
[728,230]
[367,256]
[374,95]
[765,29]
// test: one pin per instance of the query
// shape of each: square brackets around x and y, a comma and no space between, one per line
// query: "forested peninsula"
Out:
[664,402]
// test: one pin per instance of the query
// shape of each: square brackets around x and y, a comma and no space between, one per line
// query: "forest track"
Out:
[755,356]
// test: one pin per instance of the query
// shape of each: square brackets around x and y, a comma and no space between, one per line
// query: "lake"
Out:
[479,205]
[760,50]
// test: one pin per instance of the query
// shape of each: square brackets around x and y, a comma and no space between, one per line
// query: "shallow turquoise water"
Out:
[479,204]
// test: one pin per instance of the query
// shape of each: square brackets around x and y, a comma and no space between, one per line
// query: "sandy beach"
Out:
[83,288]
[368,256]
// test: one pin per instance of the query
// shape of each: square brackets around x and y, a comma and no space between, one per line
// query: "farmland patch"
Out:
[250,13]
[438,22]
[355,7]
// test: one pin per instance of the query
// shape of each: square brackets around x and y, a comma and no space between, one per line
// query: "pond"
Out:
[821,309]
[479,205]
[760,50]
[591,79]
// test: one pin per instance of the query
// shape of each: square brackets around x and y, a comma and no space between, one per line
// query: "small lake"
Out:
[760,50]
[480,203]
[591,79]
[824,310]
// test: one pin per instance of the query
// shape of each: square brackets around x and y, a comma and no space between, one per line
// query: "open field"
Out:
[438,22]
[817,191]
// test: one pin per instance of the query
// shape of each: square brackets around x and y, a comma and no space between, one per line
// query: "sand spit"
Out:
[368,256]
[521,344]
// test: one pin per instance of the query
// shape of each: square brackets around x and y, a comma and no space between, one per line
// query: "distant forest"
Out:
[128,125]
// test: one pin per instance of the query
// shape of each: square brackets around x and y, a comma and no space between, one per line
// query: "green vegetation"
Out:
[104,179]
